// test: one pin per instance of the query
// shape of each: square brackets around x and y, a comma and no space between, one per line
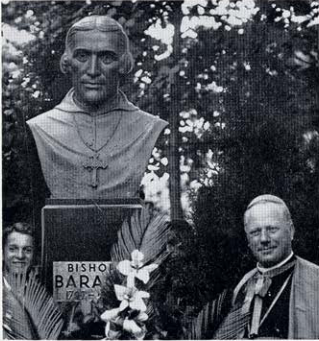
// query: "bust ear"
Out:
[126,63]
[65,63]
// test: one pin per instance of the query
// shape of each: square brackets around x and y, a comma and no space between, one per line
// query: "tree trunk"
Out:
[174,141]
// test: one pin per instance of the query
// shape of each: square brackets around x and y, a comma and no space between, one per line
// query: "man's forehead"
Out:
[16,238]
[266,211]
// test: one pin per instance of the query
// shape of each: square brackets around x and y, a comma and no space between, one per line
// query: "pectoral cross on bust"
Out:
[93,166]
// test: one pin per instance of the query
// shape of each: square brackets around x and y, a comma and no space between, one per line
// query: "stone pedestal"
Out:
[81,230]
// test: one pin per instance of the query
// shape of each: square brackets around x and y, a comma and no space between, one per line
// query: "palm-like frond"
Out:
[148,234]
[16,322]
[209,319]
[29,311]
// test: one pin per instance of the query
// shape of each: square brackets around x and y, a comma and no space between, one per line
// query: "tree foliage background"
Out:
[238,82]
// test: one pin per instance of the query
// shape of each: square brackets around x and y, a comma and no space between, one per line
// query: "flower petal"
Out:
[142,294]
[150,267]
[120,291]
[131,327]
[124,304]
[108,315]
[124,267]
[138,304]
[141,335]
[131,280]
[114,335]
[137,258]
[107,329]
[143,275]
[142,317]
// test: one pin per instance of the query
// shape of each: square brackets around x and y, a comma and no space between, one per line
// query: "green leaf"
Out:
[30,310]
[145,233]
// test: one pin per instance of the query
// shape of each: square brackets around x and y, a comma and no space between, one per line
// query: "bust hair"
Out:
[104,24]
[19,227]
[268,198]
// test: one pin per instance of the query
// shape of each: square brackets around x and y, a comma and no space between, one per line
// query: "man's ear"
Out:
[65,66]
[292,230]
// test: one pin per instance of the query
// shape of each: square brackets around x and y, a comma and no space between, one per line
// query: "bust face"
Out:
[95,66]
[18,252]
[269,233]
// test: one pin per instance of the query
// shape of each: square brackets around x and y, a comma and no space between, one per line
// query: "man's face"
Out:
[269,233]
[18,252]
[95,66]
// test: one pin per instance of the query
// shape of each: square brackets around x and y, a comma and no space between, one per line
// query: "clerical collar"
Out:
[119,102]
[111,104]
[286,260]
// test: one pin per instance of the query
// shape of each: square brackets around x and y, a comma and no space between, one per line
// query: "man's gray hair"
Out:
[268,198]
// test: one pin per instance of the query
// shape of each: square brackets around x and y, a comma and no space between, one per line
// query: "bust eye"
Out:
[108,58]
[81,55]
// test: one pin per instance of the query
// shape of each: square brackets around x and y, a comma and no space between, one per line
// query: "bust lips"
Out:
[93,85]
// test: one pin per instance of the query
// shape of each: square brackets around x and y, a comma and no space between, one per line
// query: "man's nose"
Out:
[20,254]
[264,236]
[93,68]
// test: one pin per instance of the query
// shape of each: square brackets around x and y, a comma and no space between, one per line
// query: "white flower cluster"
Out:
[132,305]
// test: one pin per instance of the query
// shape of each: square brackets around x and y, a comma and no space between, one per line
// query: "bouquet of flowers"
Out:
[129,318]
[142,246]
[142,296]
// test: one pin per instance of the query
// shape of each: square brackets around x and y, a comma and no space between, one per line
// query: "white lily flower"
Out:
[131,297]
[136,268]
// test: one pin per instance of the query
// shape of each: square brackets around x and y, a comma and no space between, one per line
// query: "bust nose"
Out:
[93,67]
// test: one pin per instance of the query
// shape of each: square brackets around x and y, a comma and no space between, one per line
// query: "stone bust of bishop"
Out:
[95,144]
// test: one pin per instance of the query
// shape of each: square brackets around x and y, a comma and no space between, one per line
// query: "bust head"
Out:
[96,56]
[18,247]
[269,229]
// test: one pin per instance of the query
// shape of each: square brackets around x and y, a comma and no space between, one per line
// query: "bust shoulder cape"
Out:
[72,142]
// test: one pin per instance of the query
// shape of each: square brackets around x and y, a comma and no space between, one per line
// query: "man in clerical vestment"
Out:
[280,297]
[95,144]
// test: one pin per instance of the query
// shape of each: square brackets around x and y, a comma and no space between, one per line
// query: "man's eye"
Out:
[28,250]
[273,229]
[12,248]
[254,233]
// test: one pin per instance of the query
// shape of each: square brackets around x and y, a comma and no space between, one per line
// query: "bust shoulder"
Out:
[146,119]
[49,119]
